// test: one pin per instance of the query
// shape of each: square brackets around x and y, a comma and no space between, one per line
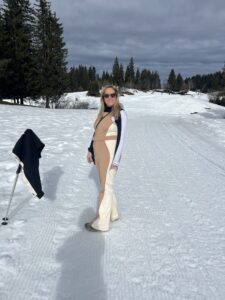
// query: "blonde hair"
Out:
[116,107]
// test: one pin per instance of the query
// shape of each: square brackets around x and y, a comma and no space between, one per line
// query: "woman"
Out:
[105,151]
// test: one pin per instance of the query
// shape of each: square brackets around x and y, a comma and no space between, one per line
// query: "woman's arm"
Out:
[119,149]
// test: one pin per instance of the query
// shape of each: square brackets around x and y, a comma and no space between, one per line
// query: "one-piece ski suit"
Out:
[106,148]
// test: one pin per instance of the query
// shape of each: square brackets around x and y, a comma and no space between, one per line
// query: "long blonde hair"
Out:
[116,107]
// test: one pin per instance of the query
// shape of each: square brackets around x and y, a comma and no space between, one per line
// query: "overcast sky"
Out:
[187,35]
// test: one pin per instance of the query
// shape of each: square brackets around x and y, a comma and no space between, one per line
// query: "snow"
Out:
[170,240]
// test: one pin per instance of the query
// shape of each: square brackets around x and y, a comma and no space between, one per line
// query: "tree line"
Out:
[33,61]
[83,78]
[203,83]
[208,83]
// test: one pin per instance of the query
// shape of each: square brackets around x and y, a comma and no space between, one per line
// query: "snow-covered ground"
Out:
[170,240]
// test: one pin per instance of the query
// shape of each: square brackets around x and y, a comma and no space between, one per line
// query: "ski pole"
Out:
[11,196]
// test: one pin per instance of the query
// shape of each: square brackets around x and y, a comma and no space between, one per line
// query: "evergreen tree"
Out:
[149,79]
[92,73]
[156,79]
[179,83]
[127,74]
[72,80]
[137,79]
[106,78]
[116,72]
[130,74]
[84,79]
[51,53]
[17,21]
[121,76]
[145,82]
[103,75]
[172,81]
[188,84]
[94,89]
[80,78]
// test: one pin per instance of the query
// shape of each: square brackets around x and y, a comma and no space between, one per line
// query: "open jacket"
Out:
[28,152]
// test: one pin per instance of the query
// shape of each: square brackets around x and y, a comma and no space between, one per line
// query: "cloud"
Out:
[185,35]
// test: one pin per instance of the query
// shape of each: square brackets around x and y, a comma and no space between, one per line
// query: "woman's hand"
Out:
[89,157]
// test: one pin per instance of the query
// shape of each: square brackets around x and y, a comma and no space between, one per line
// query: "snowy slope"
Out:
[170,240]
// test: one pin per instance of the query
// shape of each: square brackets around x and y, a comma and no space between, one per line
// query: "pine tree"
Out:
[103,76]
[116,72]
[130,74]
[83,80]
[127,75]
[144,79]
[51,53]
[72,82]
[137,78]
[172,81]
[17,21]
[106,78]
[92,73]
[150,79]
[156,80]
[121,76]
[59,59]
[179,83]
[94,89]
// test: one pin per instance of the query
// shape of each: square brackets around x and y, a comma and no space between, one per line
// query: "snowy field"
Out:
[170,240]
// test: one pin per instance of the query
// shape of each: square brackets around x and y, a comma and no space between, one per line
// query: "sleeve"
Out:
[118,153]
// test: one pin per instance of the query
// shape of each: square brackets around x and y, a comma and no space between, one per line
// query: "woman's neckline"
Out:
[107,109]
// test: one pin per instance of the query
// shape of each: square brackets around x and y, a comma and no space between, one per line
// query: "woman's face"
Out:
[109,97]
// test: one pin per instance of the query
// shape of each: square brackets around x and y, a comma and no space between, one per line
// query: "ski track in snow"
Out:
[170,240]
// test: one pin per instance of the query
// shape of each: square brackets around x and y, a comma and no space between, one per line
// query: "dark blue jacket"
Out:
[28,151]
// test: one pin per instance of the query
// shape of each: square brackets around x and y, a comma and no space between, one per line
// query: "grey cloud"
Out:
[185,35]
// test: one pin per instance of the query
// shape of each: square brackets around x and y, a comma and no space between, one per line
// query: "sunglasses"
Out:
[105,96]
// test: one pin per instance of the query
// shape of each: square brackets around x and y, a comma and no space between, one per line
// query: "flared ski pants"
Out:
[107,205]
